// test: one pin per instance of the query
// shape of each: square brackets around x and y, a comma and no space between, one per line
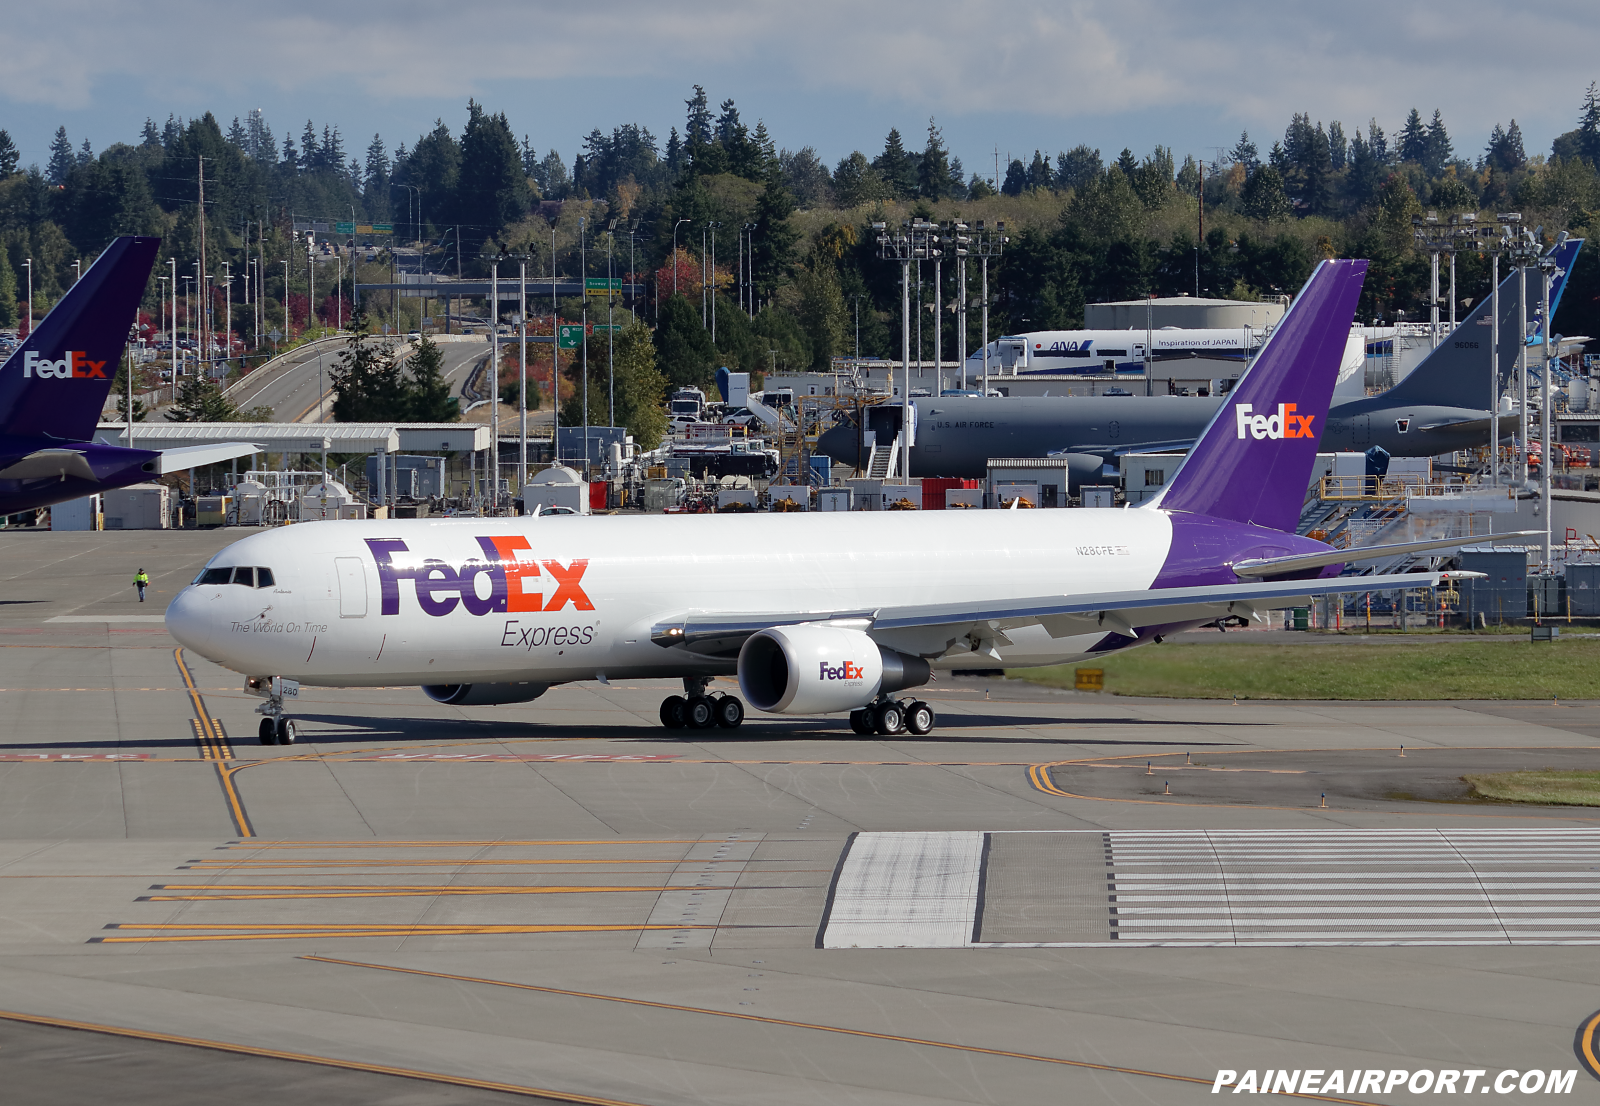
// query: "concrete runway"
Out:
[563,901]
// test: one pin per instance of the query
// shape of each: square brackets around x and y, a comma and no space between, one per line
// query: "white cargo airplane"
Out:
[815,613]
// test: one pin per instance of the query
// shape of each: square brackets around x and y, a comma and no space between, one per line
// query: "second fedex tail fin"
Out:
[56,382]
[1252,464]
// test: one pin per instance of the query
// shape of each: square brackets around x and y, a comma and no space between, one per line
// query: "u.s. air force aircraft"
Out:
[1442,405]
[54,384]
[815,613]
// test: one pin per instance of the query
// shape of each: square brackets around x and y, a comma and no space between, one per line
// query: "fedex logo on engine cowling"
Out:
[514,578]
[849,670]
[1284,423]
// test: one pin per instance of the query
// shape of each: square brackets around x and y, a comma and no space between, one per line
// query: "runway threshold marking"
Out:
[313,891]
[321,1061]
[815,1026]
[280,931]
[253,846]
[230,865]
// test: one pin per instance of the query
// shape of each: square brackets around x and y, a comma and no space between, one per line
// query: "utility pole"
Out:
[494,384]
[611,334]
[555,354]
[987,244]
[713,227]
[705,320]
[522,371]
[205,348]
[1547,449]
[583,290]
[958,233]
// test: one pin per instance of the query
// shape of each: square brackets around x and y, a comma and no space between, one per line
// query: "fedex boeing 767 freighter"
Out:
[815,613]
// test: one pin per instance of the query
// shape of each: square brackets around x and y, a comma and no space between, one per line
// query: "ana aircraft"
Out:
[53,386]
[815,613]
[1441,405]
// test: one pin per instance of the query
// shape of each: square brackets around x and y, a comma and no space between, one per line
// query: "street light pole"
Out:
[916,242]
[583,290]
[28,264]
[522,375]
[988,244]
[675,227]
[714,227]
[611,336]
[1547,450]
[959,234]
[494,385]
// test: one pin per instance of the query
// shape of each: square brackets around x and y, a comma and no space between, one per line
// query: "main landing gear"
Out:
[695,709]
[889,717]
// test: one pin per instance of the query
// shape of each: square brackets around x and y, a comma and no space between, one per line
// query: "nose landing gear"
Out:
[276,728]
[697,710]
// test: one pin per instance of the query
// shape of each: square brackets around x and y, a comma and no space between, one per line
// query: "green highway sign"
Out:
[379,228]
[601,286]
[569,336]
[363,228]
[344,228]
[602,328]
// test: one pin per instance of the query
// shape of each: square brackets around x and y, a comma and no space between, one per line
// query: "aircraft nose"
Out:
[190,620]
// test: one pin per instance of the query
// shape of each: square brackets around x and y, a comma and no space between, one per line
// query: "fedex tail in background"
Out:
[1252,464]
[56,382]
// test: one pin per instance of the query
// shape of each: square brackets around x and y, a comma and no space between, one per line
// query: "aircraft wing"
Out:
[1277,566]
[938,627]
[193,456]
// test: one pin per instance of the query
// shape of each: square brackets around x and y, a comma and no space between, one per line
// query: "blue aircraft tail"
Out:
[1456,373]
[1254,460]
[55,384]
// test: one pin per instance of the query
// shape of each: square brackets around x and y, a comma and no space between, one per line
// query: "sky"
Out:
[999,76]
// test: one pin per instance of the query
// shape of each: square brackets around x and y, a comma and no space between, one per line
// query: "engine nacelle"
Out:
[483,695]
[821,670]
[1082,468]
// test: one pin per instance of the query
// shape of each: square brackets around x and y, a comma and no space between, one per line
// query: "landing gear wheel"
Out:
[700,713]
[286,731]
[268,732]
[888,719]
[729,712]
[861,721]
[673,709]
[920,719]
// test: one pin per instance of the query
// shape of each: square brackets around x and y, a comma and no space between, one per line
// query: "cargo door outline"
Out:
[352,576]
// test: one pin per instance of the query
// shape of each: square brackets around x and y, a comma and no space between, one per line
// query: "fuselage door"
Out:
[352,587]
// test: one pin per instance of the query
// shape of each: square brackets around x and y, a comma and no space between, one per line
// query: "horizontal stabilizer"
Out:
[1278,566]
[194,456]
[49,464]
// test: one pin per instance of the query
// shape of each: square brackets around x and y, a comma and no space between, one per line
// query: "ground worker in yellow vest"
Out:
[141,581]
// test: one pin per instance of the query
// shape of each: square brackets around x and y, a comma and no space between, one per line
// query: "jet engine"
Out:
[1082,468]
[821,669]
[483,695]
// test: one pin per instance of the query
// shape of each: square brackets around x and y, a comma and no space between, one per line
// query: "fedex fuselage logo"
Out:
[74,366]
[849,670]
[515,580]
[1282,424]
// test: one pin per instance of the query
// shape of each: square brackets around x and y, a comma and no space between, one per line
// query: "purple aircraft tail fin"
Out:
[1254,461]
[56,382]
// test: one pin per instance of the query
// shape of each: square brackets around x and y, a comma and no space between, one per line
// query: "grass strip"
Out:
[1481,669]
[1546,787]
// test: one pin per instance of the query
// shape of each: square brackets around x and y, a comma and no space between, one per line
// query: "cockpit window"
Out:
[247,575]
[215,576]
[244,575]
[263,577]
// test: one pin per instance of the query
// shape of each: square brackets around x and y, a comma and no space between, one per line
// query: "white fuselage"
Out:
[585,592]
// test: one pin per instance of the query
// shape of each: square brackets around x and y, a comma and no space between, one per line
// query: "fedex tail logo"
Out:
[1284,424]
[514,583]
[74,366]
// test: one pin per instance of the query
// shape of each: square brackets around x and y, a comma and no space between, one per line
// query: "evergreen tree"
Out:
[428,394]
[683,345]
[237,137]
[823,315]
[367,382]
[1263,197]
[377,172]
[492,192]
[1413,139]
[675,155]
[933,170]
[171,132]
[310,148]
[856,182]
[773,240]
[1505,151]
[1016,178]
[85,154]
[9,155]
[1589,126]
[291,159]
[150,136]
[201,400]
[897,167]
[1338,149]
[805,176]
[1316,187]
[1127,163]
[1438,151]
[62,161]
[9,315]
[957,179]
[530,159]
[1244,153]
[332,149]
[697,128]
[1377,144]
[1153,180]
[1079,167]
[1039,174]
